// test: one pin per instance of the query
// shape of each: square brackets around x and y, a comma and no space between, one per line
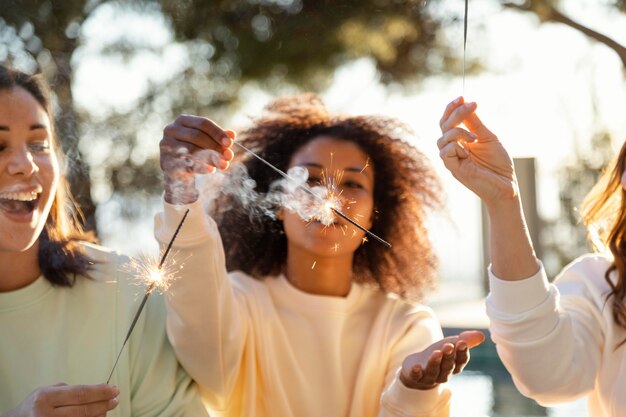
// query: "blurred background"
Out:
[548,76]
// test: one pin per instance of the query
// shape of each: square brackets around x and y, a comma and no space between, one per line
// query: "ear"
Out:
[280,214]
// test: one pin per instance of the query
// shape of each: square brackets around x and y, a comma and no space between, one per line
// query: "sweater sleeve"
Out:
[397,399]
[204,323]
[549,337]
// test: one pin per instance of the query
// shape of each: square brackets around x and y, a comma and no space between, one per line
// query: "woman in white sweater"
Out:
[313,318]
[560,341]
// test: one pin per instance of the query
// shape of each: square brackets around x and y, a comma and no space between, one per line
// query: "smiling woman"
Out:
[64,302]
[31,188]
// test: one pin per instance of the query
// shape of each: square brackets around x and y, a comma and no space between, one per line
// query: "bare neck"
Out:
[314,274]
[19,269]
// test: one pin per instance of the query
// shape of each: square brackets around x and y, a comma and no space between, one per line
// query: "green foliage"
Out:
[305,39]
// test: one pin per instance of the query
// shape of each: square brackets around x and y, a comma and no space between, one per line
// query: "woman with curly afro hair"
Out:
[313,317]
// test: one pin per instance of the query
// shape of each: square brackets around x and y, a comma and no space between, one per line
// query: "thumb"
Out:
[473,338]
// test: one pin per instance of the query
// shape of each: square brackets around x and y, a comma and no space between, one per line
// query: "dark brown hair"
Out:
[406,187]
[604,213]
[60,254]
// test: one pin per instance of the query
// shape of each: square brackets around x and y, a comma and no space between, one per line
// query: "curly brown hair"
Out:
[604,213]
[406,187]
[60,255]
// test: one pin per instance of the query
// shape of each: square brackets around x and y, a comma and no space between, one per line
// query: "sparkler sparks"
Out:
[156,278]
[329,207]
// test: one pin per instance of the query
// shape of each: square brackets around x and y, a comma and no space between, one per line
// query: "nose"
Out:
[21,162]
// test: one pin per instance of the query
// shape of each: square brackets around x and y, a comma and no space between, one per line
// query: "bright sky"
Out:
[537,95]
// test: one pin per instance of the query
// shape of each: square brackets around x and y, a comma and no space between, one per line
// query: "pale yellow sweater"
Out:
[72,335]
[266,349]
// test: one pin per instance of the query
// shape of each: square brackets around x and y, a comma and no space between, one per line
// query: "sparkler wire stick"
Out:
[147,294]
[309,191]
[464,42]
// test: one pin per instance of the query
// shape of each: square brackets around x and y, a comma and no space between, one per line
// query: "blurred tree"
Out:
[564,238]
[226,44]
[304,40]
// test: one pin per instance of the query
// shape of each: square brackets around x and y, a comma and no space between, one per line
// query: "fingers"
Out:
[450,108]
[95,409]
[79,394]
[454,135]
[458,112]
[209,128]
[195,144]
[455,114]
[462,356]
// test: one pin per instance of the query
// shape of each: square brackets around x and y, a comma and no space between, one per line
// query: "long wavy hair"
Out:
[604,213]
[60,255]
[406,188]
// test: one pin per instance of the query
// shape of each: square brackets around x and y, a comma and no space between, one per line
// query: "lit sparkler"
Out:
[328,205]
[156,279]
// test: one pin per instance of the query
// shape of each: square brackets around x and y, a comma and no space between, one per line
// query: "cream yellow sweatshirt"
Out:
[266,349]
[56,334]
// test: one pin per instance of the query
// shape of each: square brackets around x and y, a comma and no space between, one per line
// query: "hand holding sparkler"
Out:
[192,145]
[155,278]
[63,399]
[475,156]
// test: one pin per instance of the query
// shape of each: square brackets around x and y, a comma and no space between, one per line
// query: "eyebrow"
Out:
[358,170]
[32,127]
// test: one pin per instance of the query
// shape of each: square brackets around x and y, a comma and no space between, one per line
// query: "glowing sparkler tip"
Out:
[155,275]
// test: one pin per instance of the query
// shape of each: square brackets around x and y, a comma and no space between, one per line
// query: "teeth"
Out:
[23,196]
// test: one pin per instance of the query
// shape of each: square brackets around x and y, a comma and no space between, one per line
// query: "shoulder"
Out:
[407,326]
[107,263]
[246,283]
[401,313]
[585,274]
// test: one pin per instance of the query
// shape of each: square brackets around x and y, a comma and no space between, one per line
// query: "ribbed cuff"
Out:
[404,401]
[515,297]
[198,226]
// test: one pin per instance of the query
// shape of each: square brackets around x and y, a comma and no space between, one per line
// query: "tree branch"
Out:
[550,14]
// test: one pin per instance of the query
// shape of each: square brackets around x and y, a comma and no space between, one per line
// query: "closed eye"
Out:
[39,146]
[353,184]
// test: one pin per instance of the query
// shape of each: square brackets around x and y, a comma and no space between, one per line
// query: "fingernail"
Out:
[226,141]
[116,390]
[462,347]
[474,135]
[457,100]
[471,105]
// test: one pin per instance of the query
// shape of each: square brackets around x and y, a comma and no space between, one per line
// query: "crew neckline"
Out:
[23,297]
[289,294]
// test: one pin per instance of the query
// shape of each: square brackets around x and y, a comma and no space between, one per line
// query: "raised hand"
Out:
[68,400]
[475,156]
[192,145]
[435,364]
